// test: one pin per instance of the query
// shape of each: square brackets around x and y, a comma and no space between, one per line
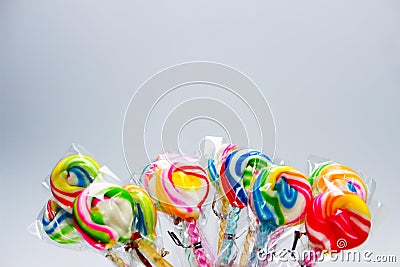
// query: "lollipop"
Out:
[333,175]
[180,188]
[213,171]
[236,177]
[103,214]
[337,220]
[58,224]
[281,196]
[70,176]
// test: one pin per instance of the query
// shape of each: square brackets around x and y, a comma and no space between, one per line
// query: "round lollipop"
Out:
[180,189]
[333,176]
[237,175]
[58,224]
[213,171]
[281,196]
[70,176]
[103,214]
[337,221]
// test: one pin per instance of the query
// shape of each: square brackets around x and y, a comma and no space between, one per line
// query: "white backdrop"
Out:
[329,69]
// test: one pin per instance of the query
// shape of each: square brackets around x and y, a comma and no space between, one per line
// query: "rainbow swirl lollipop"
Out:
[58,224]
[145,211]
[103,214]
[237,175]
[281,196]
[70,176]
[337,176]
[337,221]
[180,189]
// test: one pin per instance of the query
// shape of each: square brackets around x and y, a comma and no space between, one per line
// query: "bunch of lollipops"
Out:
[89,211]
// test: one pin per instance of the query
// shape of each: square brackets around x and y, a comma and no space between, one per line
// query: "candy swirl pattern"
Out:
[337,221]
[180,188]
[145,211]
[215,163]
[70,176]
[58,224]
[281,196]
[333,176]
[238,172]
[103,214]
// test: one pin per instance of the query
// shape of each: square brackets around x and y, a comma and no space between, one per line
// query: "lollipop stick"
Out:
[196,242]
[188,251]
[264,230]
[250,239]
[151,254]
[146,253]
[229,236]
[223,221]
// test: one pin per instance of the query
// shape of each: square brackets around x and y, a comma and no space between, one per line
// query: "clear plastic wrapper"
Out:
[280,197]
[340,216]
[75,171]
[87,211]
[180,187]
[232,171]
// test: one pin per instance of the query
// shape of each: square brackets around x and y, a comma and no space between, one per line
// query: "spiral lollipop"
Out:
[236,177]
[70,176]
[280,196]
[58,224]
[180,189]
[337,221]
[337,176]
[339,217]
[213,171]
[103,214]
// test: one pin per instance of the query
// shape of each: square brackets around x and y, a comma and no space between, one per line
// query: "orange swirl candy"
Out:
[180,188]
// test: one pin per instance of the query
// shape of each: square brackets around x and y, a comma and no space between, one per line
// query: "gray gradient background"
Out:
[330,70]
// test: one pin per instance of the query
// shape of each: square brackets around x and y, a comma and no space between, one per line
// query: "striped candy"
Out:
[335,176]
[103,214]
[280,196]
[215,163]
[58,224]
[70,176]
[145,211]
[179,187]
[337,221]
[238,172]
